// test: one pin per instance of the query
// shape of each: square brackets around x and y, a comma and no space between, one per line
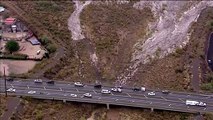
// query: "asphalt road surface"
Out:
[174,101]
[210,53]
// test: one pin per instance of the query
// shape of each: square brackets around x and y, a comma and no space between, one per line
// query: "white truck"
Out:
[195,103]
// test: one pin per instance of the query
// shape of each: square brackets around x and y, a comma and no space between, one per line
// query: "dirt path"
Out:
[74,22]
[12,104]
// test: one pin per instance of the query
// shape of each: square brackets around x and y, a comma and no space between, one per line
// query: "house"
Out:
[10,21]
[34,41]
[2,9]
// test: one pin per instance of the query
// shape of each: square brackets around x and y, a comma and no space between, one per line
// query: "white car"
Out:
[38,81]
[143,89]
[73,95]
[11,90]
[88,95]
[151,93]
[31,92]
[116,90]
[105,91]
[78,84]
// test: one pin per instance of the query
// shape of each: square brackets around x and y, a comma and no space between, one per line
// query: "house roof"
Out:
[9,21]
[34,41]
[2,9]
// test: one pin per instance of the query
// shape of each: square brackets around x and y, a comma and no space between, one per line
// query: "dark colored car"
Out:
[10,79]
[165,92]
[136,89]
[51,82]
[99,86]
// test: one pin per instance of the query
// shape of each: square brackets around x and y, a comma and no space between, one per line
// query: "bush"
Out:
[12,46]
[51,48]
[45,40]
[15,56]
[207,86]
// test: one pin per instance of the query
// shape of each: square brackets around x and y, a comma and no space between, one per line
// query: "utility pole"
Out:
[5,83]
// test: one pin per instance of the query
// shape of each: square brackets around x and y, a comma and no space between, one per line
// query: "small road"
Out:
[174,101]
[210,53]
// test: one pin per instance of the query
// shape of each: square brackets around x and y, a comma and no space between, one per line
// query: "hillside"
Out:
[150,44]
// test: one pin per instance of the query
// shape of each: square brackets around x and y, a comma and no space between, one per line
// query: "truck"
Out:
[195,103]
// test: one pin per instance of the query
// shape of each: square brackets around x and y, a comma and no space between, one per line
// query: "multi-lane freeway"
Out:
[174,101]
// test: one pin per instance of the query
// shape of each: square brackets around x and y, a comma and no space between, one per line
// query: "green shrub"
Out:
[207,86]
[51,48]
[12,46]
[15,56]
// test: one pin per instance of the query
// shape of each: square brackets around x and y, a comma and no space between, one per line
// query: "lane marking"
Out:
[145,96]
[181,100]
[112,93]
[116,100]
[77,90]
[204,108]
[163,98]
[94,91]
[61,89]
[28,87]
[128,94]
[45,88]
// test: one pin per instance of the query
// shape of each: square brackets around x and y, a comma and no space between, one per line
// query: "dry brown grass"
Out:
[2,104]
[114,29]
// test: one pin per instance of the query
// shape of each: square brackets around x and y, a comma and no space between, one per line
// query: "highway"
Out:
[174,101]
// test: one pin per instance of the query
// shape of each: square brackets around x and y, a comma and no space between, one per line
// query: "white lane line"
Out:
[116,100]
[28,87]
[128,94]
[44,88]
[145,96]
[163,98]
[181,100]
[77,90]
[12,86]
[204,108]
[94,91]
[61,89]
[112,93]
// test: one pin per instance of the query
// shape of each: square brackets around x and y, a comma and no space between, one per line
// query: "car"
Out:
[10,79]
[116,90]
[88,95]
[79,84]
[37,81]
[209,61]
[165,91]
[98,86]
[105,91]
[143,89]
[136,89]
[51,82]
[11,90]
[31,92]
[73,95]
[151,93]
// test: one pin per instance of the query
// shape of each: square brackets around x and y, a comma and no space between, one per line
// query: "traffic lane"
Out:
[98,91]
[158,94]
[106,99]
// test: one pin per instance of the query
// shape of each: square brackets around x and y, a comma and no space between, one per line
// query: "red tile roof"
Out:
[9,21]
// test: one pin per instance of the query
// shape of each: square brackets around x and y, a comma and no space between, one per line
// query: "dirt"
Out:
[168,33]
[16,66]
[12,104]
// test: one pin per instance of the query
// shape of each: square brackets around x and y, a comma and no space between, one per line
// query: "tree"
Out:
[12,46]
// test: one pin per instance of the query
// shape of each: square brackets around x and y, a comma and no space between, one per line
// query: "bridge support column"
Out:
[107,106]
[152,109]
[64,100]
